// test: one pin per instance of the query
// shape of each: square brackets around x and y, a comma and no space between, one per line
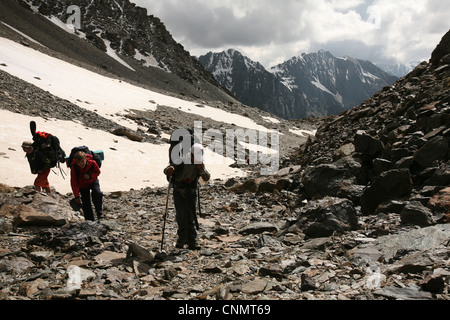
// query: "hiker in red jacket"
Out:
[84,179]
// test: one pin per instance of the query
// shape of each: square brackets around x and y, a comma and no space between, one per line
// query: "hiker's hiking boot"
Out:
[191,245]
[179,245]
[194,246]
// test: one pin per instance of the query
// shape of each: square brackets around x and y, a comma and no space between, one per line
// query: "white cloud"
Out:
[272,31]
[345,4]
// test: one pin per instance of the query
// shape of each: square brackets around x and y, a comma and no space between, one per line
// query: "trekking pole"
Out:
[197,226]
[63,173]
[165,213]
[198,199]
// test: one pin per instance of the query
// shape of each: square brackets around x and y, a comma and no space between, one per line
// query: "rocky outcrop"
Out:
[393,147]
[323,218]
[389,185]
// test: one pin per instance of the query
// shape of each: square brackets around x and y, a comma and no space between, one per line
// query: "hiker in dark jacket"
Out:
[39,164]
[84,174]
[184,178]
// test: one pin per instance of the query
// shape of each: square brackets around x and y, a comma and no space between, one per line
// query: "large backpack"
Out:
[97,155]
[48,144]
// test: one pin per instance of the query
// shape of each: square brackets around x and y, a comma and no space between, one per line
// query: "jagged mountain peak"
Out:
[224,66]
[228,58]
[310,84]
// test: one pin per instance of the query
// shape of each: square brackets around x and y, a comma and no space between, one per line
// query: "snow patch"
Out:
[127,165]
[108,97]
[320,86]
[112,53]
[303,133]
[270,119]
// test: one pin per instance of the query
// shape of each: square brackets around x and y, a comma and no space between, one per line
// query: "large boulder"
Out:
[417,214]
[27,216]
[434,150]
[368,146]
[385,248]
[39,209]
[328,179]
[321,218]
[390,185]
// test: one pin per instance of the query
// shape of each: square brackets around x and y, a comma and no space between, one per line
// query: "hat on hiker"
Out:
[27,144]
[197,152]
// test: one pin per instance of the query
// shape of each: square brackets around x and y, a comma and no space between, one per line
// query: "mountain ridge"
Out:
[317,84]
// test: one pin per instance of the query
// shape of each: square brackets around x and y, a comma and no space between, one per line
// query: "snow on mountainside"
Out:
[249,82]
[312,84]
[137,45]
[91,16]
[226,64]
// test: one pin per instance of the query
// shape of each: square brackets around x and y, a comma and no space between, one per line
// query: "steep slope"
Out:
[115,37]
[313,84]
[393,149]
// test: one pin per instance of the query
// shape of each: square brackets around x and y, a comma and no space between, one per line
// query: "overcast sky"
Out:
[271,32]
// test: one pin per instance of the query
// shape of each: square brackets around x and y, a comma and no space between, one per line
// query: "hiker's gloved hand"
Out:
[78,200]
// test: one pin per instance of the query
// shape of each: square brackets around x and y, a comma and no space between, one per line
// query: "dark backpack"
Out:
[48,144]
[97,155]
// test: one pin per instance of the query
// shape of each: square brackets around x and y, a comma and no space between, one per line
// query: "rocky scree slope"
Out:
[49,252]
[394,145]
